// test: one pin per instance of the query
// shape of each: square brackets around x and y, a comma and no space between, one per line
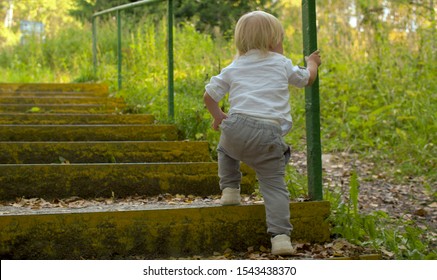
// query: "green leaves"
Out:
[34,110]
[398,238]
[354,191]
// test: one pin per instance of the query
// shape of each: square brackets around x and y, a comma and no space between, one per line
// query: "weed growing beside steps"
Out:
[394,238]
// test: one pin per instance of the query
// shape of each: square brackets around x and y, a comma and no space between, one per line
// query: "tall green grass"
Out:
[383,102]
[56,59]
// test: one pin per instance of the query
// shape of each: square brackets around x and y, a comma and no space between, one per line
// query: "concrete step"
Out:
[62,108]
[151,233]
[132,132]
[47,88]
[103,152]
[60,100]
[66,94]
[29,118]
[106,180]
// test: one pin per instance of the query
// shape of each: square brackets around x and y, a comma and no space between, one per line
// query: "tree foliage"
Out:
[206,14]
[52,13]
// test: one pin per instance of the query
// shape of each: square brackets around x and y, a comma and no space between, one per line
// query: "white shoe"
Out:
[281,245]
[230,196]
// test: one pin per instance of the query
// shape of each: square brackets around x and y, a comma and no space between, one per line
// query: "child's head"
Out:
[258,30]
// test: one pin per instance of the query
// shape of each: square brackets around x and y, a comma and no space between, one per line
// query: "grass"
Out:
[394,238]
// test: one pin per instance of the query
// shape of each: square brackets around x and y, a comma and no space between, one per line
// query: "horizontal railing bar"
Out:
[123,7]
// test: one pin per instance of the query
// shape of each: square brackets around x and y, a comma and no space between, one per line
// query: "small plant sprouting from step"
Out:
[112,159]
[62,160]
[34,110]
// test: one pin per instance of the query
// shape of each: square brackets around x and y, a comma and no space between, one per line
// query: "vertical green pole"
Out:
[170,61]
[94,45]
[312,105]
[119,49]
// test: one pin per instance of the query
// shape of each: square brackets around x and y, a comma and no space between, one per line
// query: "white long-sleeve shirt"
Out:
[258,86]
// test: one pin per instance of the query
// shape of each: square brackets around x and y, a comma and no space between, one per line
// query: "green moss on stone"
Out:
[155,234]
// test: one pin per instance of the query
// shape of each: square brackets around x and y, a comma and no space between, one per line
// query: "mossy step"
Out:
[101,89]
[105,180]
[153,233]
[60,100]
[103,152]
[38,118]
[52,94]
[61,108]
[65,94]
[132,132]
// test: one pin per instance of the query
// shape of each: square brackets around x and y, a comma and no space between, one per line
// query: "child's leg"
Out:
[230,178]
[277,203]
[269,158]
[276,196]
[228,170]
[276,200]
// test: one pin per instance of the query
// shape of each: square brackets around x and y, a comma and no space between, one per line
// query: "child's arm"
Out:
[215,111]
[313,63]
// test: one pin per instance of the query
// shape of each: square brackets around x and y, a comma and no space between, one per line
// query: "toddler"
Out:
[259,116]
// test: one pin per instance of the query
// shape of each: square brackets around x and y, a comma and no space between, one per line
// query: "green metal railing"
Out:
[119,44]
[312,103]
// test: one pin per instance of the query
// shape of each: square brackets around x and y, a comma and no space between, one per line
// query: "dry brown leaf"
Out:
[421,212]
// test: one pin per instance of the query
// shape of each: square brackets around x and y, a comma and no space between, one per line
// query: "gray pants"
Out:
[260,145]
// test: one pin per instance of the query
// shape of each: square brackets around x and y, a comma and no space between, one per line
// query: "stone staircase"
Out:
[72,140]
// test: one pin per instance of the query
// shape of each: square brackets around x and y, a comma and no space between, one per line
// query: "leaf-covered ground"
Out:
[413,199]
[410,201]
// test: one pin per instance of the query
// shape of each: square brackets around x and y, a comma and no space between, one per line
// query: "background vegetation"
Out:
[378,81]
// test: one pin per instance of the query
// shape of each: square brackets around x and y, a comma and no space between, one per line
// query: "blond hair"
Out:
[257,30]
